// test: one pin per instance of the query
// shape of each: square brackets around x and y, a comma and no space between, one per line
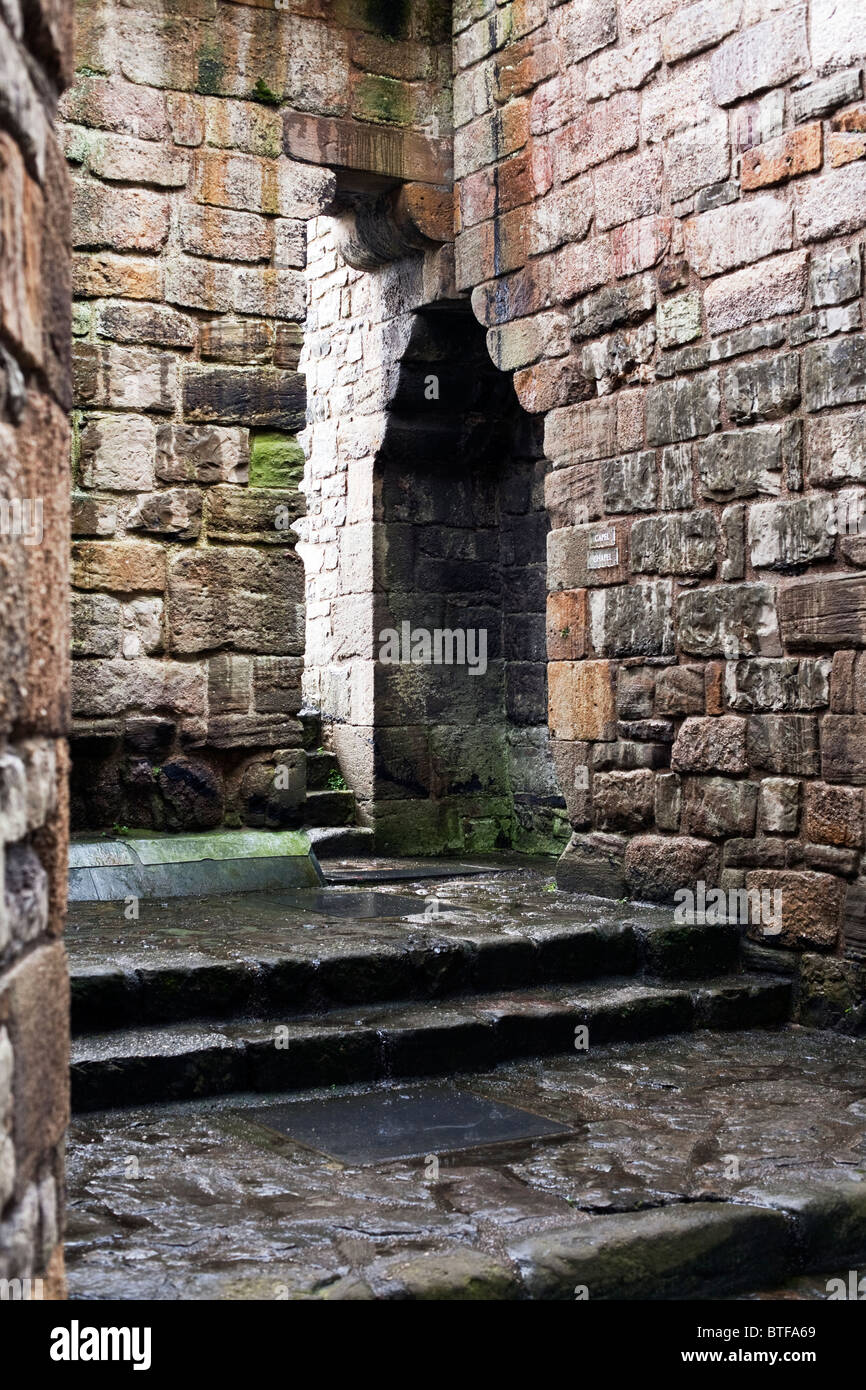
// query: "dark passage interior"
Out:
[461,750]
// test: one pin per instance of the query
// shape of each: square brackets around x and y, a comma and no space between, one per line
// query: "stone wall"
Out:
[189,229]
[425,491]
[35,60]
[660,220]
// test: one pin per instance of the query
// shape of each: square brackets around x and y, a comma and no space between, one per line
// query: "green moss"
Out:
[210,74]
[384,99]
[276,459]
[262,92]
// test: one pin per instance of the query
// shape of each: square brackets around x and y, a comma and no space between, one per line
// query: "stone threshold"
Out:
[176,866]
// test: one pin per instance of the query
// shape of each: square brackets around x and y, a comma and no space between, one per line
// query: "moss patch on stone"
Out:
[262,92]
[276,459]
[384,99]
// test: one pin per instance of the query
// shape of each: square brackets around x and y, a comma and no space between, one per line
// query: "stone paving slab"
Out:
[710,1163]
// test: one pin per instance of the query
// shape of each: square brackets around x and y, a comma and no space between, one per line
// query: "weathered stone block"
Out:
[229,683]
[578,433]
[737,234]
[834,373]
[122,566]
[255,396]
[764,55]
[101,273]
[593,864]
[587,556]
[796,152]
[830,612]
[779,805]
[843,749]
[243,342]
[629,189]
[174,512]
[567,625]
[763,684]
[224,234]
[711,745]
[717,807]
[684,409]
[657,865]
[572,775]
[117,452]
[680,690]
[634,692]
[833,204]
[811,908]
[763,390]
[740,463]
[836,275]
[623,800]
[678,320]
[236,597]
[95,625]
[628,483]
[123,378]
[668,803]
[676,477]
[201,454]
[773,287]
[266,514]
[636,620]
[581,700]
[833,815]
[129,219]
[792,532]
[783,743]
[277,683]
[837,33]
[685,545]
[729,620]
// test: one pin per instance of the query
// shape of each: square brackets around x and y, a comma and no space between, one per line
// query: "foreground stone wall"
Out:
[660,220]
[35,60]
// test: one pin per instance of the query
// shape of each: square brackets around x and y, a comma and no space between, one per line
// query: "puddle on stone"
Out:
[367,905]
[406,1122]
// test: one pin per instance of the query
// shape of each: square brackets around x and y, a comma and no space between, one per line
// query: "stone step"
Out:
[330,808]
[337,841]
[365,961]
[373,1042]
[320,767]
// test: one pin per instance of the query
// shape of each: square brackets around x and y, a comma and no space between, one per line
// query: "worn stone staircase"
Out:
[331,812]
[282,992]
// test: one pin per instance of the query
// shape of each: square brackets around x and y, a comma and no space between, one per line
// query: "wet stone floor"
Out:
[197,1200]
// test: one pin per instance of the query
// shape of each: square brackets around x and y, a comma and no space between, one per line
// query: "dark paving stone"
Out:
[401,1123]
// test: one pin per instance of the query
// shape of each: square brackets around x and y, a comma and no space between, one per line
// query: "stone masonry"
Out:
[35,65]
[657,217]
[660,220]
[189,230]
